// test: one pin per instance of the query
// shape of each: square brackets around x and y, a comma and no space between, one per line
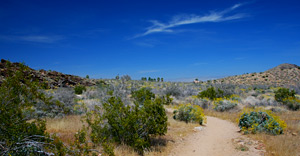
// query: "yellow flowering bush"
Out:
[224,104]
[259,120]
[190,113]
[292,103]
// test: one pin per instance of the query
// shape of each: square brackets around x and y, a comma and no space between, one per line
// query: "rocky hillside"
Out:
[51,78]
[282,75]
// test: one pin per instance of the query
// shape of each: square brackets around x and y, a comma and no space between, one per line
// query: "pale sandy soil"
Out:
[217,138]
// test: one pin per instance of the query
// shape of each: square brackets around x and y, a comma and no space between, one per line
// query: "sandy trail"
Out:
[218,138]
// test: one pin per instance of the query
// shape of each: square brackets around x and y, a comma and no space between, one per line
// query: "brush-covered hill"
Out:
[282,75]
[51,79]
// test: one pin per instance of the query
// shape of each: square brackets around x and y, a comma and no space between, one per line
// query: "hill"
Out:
[282,75]
[52,79]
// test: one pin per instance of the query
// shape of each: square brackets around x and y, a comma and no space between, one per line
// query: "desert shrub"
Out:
[167,100]
[101,83]
[61,103]
[284,93]
[142,95]
[173,90]
[203,103]
[222,105]
[18,136]
[211,93]
[253,121]
[125,78]
[228,89]
[131,125]
[262,100]
[190,113]
[79,89]
[292,103]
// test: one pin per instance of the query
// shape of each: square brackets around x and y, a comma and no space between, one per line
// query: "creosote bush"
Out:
[167,100]
[292,103]
[288,98]
[257,121]
[284,93]
[79,89]
[132,125]
[190,113]
[211,93]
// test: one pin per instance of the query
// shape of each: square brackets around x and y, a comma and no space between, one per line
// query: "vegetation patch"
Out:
[79,89]
[190,113]
[288,98]
[22,131]
[226,104]
[134,125]
[257,121]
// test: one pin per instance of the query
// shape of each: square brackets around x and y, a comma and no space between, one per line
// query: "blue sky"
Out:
[177,40]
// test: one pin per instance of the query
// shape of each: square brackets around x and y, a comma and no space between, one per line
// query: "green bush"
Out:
[131,125]
[167,100]
[292,103]
[284,93]
[253,121]
[211,93]
[19,94]
[190,113]
[143,95]
[79,89]
[224,105]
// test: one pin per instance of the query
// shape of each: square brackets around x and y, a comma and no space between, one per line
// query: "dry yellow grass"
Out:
[287,144]
[65,127]
[162,145]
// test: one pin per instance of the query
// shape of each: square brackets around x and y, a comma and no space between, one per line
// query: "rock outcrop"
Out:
[51,78]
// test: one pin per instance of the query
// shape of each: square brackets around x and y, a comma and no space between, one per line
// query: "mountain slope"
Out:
[282,75]
[52,79]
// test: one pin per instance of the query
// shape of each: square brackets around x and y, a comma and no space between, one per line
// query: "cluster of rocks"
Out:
[52,79]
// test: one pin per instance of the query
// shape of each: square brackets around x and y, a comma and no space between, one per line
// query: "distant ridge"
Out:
[283,67]
[281,75]
[52,79]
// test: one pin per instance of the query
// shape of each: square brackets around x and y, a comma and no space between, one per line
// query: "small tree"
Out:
[158,79]
[87,76]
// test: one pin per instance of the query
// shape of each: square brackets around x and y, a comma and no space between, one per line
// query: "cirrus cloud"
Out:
[179,20]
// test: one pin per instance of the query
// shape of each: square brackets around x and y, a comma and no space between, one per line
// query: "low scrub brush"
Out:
[190,113]
[253,121]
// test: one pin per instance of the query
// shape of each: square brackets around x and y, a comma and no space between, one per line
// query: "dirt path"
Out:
[217,138]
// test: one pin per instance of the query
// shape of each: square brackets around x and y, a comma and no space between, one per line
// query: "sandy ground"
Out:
[217,138]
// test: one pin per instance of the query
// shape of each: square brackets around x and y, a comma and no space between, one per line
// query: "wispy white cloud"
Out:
[179,20]
[32,38]
[148,71]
